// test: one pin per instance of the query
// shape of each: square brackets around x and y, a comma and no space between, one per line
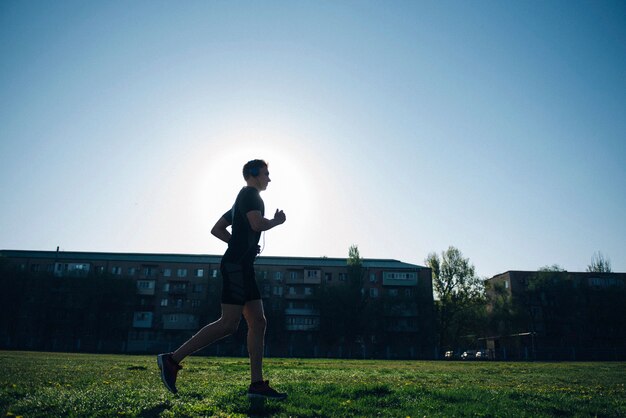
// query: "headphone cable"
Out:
[263,246]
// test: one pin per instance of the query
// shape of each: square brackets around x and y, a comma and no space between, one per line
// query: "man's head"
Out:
[256,174]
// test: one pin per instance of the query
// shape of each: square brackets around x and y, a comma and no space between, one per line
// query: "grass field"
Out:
[82,385]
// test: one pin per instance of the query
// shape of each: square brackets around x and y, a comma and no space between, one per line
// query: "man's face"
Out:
[263,178]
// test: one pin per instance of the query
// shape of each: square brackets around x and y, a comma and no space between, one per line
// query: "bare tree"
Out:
[599,264]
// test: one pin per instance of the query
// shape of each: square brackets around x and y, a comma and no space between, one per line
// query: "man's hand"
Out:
[259,224]
[279,217]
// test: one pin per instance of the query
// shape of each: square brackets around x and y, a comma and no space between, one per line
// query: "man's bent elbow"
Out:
[257,228]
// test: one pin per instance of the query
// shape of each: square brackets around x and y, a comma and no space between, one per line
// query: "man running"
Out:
[240,293]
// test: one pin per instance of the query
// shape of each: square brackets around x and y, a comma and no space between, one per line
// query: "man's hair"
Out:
[253,168]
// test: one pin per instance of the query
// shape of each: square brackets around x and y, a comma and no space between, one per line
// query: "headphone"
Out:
[253,168]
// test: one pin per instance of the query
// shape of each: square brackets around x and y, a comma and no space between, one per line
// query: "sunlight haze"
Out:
[403,127]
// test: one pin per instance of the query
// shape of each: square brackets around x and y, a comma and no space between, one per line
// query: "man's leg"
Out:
[169,363]
[223,327]
[259,388]
[255,317]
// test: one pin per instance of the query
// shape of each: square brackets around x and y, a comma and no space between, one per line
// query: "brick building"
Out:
[557,315]
[173,295]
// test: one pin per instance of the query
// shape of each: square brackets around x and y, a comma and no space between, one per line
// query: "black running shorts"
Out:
[238,284]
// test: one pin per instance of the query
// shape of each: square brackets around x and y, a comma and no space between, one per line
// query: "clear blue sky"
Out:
[498,127]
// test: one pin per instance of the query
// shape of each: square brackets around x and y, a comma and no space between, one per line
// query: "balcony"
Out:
[178,290]
[145,287]
[180,321]
[402,328]
[299,296]
[312,277]
[302,323]
[402,325]
[302,311]
[294,279]
[301,327]
[142,320]
[400,312]
[399,278]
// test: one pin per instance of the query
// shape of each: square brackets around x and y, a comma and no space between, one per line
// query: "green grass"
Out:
[81,385]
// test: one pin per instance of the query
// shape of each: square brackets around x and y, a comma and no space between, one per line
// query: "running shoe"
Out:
[169,369]
[262,389]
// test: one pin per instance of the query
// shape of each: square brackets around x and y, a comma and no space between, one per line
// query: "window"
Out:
[198,288]
[373,278]
[195,303]
[292,290]
[166,287]
[328,277]
[401,276]
[393,292]
[278,275]
[308,291]
[145,284]
[373,292]
[293,275]
[116,271]
[131,271]
[408,292]
[164,302]
[181,272]
[178,287]
[142,320]
[167,273]
[343,276]
[199,272]
[214,273]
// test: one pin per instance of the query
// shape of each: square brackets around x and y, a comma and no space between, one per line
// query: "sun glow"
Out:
[292,189]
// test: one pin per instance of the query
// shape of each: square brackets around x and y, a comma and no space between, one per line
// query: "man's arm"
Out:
[220,231]
[259,224]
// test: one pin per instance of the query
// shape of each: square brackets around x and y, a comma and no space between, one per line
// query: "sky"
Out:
[402,127]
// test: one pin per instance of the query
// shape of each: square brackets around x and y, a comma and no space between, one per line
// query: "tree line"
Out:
[551,305]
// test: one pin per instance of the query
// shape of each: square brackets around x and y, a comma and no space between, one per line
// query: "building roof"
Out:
[565,273]
[203,259]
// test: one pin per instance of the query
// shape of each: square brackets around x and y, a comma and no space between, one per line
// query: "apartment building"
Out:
[173,295]
[558,315]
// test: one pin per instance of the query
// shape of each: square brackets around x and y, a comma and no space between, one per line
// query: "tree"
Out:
[501,309]
[343,315]
[354,257]
[599,264]
[460,294]
[554,268]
